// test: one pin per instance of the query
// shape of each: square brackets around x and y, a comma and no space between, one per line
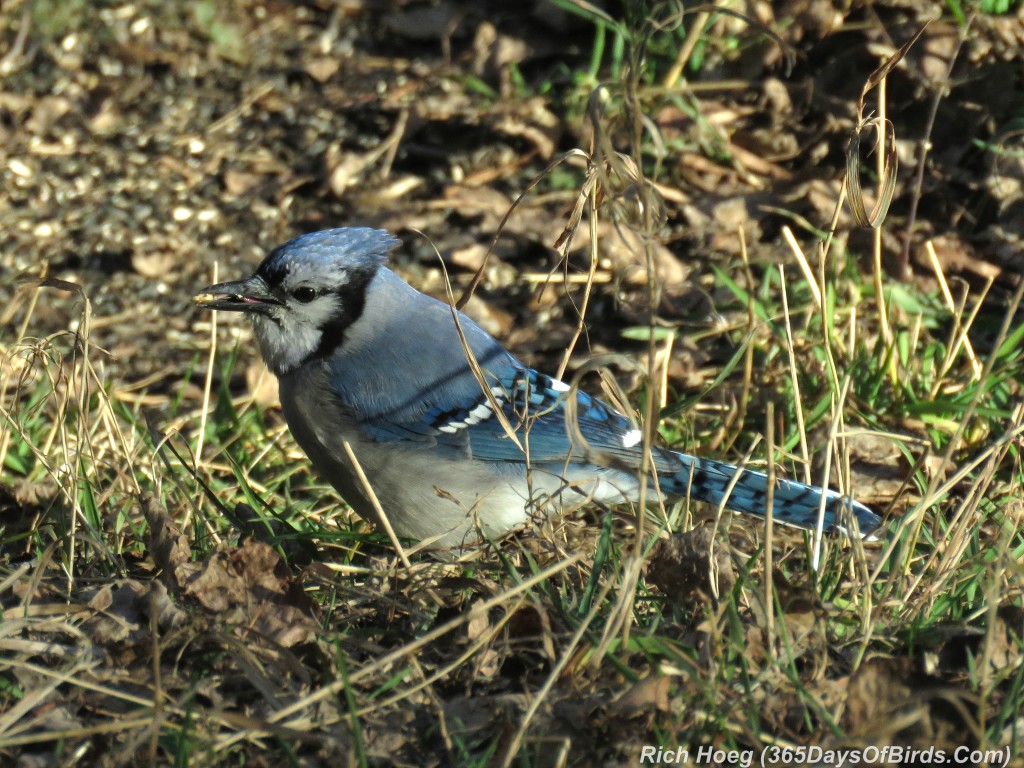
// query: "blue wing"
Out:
[458,418]
[534,406]
[417,392]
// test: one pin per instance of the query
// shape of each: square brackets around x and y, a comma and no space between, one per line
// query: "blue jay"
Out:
[452,450]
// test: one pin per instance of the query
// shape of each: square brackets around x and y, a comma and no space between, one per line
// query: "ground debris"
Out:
[148,147]
[691,568]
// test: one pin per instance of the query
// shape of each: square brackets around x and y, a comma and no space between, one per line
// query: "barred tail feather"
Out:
[795,503]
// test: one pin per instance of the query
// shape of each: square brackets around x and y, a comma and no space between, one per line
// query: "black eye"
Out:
[305,294]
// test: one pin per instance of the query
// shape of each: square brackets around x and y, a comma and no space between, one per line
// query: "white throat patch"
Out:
[289,339]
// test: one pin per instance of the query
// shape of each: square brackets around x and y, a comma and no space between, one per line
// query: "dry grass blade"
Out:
[588,198]
[885,135]
[795,380]
[139,628]
[698,29]
[512,749]
[769,528]
[381,514]
[367,671]
[837,411]
[937,488]
[208,381]
[467,294]
[885,141]
[478,373]
[481,642]
[798,253]
[961,524]
[117,725]
[961,328]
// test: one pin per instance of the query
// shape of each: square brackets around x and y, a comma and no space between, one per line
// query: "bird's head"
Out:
[306,293]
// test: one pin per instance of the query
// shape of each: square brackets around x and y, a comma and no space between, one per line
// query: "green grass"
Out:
[597,627]
[555,646]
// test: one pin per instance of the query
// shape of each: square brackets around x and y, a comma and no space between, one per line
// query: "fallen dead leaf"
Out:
[117,614]
[121,613]
[155,262]
[322,68]
[957,258]
[892,701]
[880,690]
[251,585]
[803,615]
[168,614]
[533,122]
[345,169]
[531,624]
[490,317]
[238,183]
[494,52]
[487,661]
[682,567]
[168,546]
[648,695]
[624,248]
[877,466]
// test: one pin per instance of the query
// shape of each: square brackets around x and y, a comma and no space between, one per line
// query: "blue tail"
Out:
[794,504]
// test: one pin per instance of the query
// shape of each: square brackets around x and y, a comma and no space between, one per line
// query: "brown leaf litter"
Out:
[249,585]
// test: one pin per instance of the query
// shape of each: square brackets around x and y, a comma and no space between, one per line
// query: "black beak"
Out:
[248,295]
